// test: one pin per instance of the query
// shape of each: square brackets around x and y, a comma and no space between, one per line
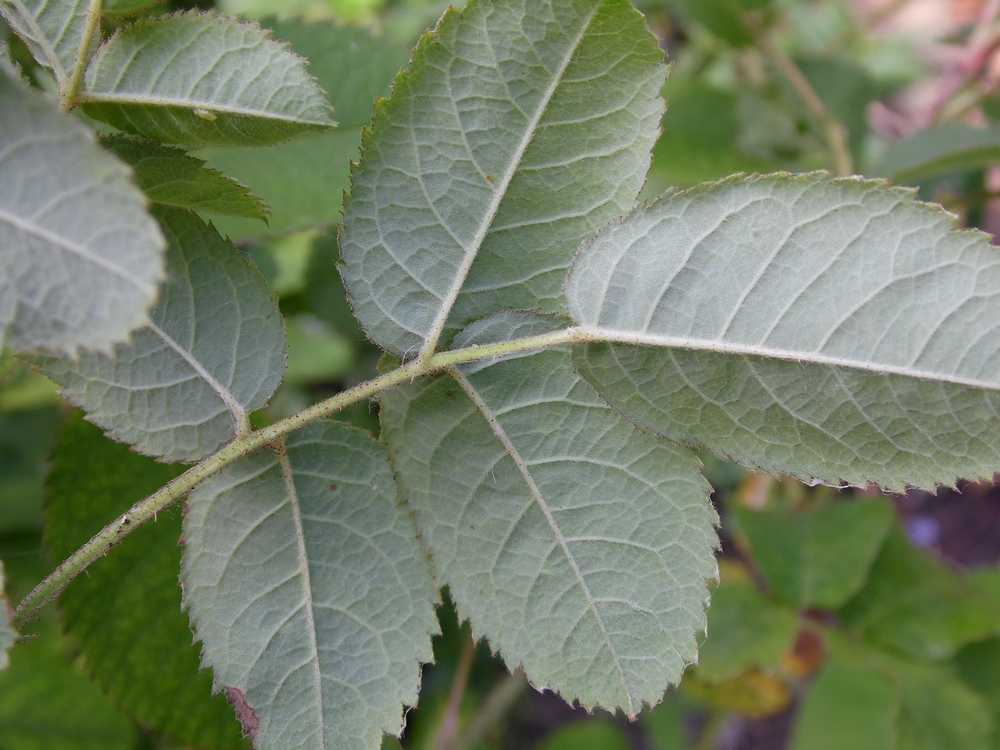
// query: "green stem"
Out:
[68,97]
[463,668]
[497,704]
[147,509]
[834,132]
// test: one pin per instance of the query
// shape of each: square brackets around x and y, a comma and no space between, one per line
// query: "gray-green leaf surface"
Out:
[53,31]
[579,546]
[214,351]
[199,78]
[310,592]
[80,258]
[519,129]
[835,330]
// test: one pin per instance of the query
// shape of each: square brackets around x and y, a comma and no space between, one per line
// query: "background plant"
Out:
[913,630]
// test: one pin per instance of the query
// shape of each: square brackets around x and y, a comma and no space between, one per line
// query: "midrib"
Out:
[472,250]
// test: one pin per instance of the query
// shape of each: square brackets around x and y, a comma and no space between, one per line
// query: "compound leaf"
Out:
[171,177]
[200,78]
[125,614]
[79,256]
[53,31]
[518,130]
[309,591]
[832,329]
[576,544]
[214,352]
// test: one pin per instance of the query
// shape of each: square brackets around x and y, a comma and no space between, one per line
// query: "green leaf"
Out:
[354,68]
[214,352]
[200,78]
[976,664]
[125,614]
[53,31]
[700,138]
[518,130]
[818,557]
[586,734]
[848,706]
[724,18]
[939,712]
[316,352]
[797,324]
[81,258]
[745,630]
[119,8]
[309,591]
[945,148]
[7,633]
[26,437]
[170,177]
[919,606]
[49,704]
[576,544]
[870,699]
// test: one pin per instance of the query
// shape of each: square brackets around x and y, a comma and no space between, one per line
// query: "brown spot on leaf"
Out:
[244,711]
[333,488]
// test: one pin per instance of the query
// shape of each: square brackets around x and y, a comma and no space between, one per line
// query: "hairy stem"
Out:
[147,509]
[834,132]
[68,97]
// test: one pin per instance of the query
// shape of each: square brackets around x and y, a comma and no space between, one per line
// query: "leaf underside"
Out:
[214,352]
[52,30]
[309,590]
[199,78]
[576,544]
[79,256]
[519,129]
[835,330]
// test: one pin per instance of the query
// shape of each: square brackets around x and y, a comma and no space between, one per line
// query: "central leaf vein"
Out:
[500,190]
[240,419]
[539,499]
[307,596]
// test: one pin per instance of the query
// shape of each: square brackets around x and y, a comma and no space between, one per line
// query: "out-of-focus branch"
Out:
[834,132]
[983,42]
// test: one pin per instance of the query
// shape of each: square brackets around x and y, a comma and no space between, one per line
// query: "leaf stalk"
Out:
[70,96]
